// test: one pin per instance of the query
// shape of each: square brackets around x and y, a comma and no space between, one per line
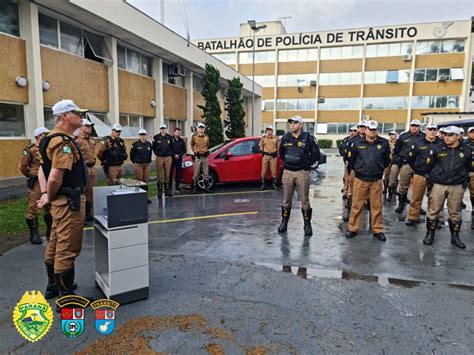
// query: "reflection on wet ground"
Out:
[238,222]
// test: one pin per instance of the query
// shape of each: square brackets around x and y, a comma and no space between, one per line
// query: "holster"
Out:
[31,181]
[429,185]
[106,169]
[73,197]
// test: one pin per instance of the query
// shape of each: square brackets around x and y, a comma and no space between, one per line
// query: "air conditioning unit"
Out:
[176,70]
[300,89]
[443,77]
[321,100]
[407,58]
[312,83]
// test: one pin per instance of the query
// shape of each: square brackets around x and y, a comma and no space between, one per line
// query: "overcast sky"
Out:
[221,18]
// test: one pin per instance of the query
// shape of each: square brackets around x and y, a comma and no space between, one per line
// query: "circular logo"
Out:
[299,144]
[461,155]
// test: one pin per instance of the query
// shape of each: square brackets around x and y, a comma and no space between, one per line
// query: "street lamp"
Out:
[255,29]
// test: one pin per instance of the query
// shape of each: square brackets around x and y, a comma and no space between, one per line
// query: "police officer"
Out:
[63,179]
[400,168]
[269,147]
[450,164]
[299,151]
[417,157]
[112,153]
[29,165]
[178,147]
[392,140]
[87,145]
[162,150]
[343,148]
[368,158]
[200,148]
[140,155]
[470,142]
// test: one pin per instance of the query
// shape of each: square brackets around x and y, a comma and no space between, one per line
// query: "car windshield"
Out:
[213,149]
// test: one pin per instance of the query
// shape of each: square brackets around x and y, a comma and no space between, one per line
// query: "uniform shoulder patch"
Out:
[67,150]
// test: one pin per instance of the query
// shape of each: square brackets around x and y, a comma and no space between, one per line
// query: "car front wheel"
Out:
[211,182]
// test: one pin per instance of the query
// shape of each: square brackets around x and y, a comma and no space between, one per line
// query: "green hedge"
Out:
[325,143]
[338,142]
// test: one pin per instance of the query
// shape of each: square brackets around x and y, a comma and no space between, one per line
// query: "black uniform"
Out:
[140,152]
[369,160]
[162,145]
[299,153]
[403,146]
[418,154]
[178,147]
[450,166]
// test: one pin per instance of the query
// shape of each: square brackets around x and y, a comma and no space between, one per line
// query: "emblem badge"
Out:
[299,144]
[67,150]
[379,146]
[461,155]
[72,314]
[33,316]
[104,315]
[442,30]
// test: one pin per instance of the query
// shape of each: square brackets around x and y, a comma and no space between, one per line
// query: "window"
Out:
[297,55]
[12,120]
[197,83]
[296,104]
[244,148]
[341,52]
[172,124]
[351,103]
[386,76]
[390,49]
[71,39]
[134,61]
[264,80]
[130,125]
[435,102]
[392,76]
[227,58]
[48,30]
[340,78]
[296,79]
[440,46]
[48,118]
[457,74]
[442,74]
[385,103]
[268,105]
[260,57]
[9,17]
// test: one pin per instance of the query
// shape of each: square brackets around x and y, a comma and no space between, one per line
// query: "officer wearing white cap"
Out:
[163,152]
[450,164]
[29,165]
[269,147]
[343,147]
[112,154]
[417,156]
[63,178]
[360,135]
[368,157]
[392,140]
[299,151]
[87,145]
[200,148]
[470,143]
[400,163]
[140,155]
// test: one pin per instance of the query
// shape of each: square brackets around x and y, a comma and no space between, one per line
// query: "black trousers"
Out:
[176,165]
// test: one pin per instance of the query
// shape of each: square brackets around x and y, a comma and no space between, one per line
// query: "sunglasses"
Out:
[432,129]
[414,125]
[372,129]
[449,134]
[142,134]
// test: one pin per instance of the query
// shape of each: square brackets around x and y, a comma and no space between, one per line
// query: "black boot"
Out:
[308,230]
[285,216]
[160,191]
[33,227]
[431,225]
[48,220]
[168,192]
[391,191]
[89,215]
[454,228]
[52,288]
[401,203]
[274,184]
[193,188]
[66,285]
[145,187]
[385,187]
[472,220]
[262,186]
[347,211]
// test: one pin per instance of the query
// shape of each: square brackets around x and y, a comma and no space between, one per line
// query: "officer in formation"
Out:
[470,143]
[112,154]
[140,155]
[299,151]
[368,157]
[392,140]
[87,145]
[343,149]
[417,157]
[178,148]
[163,152]
[29,165]
[401,170]
[63,178]
[200,148]
[269,147]
[450,165]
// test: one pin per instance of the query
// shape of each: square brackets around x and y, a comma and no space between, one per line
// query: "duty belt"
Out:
[274,154]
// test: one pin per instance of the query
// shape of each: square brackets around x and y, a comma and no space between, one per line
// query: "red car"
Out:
[238,160]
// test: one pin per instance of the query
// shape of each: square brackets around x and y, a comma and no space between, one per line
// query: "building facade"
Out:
[333,79]
[108,57]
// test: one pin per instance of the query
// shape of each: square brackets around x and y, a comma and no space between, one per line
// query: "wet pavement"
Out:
[216,282]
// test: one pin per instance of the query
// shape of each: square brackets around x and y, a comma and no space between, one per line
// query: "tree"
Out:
[211,111]
[234,105]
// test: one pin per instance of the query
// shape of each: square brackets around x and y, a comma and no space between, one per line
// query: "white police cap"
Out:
[40,130]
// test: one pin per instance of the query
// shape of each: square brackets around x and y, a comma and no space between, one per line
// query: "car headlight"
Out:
[187,164]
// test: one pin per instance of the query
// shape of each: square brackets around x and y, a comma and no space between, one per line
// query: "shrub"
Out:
[338,142]
[325,143]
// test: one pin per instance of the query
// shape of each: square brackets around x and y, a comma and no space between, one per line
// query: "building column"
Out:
[114,98]
[257,117]
[34,114]
[188,84]
[158,76]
